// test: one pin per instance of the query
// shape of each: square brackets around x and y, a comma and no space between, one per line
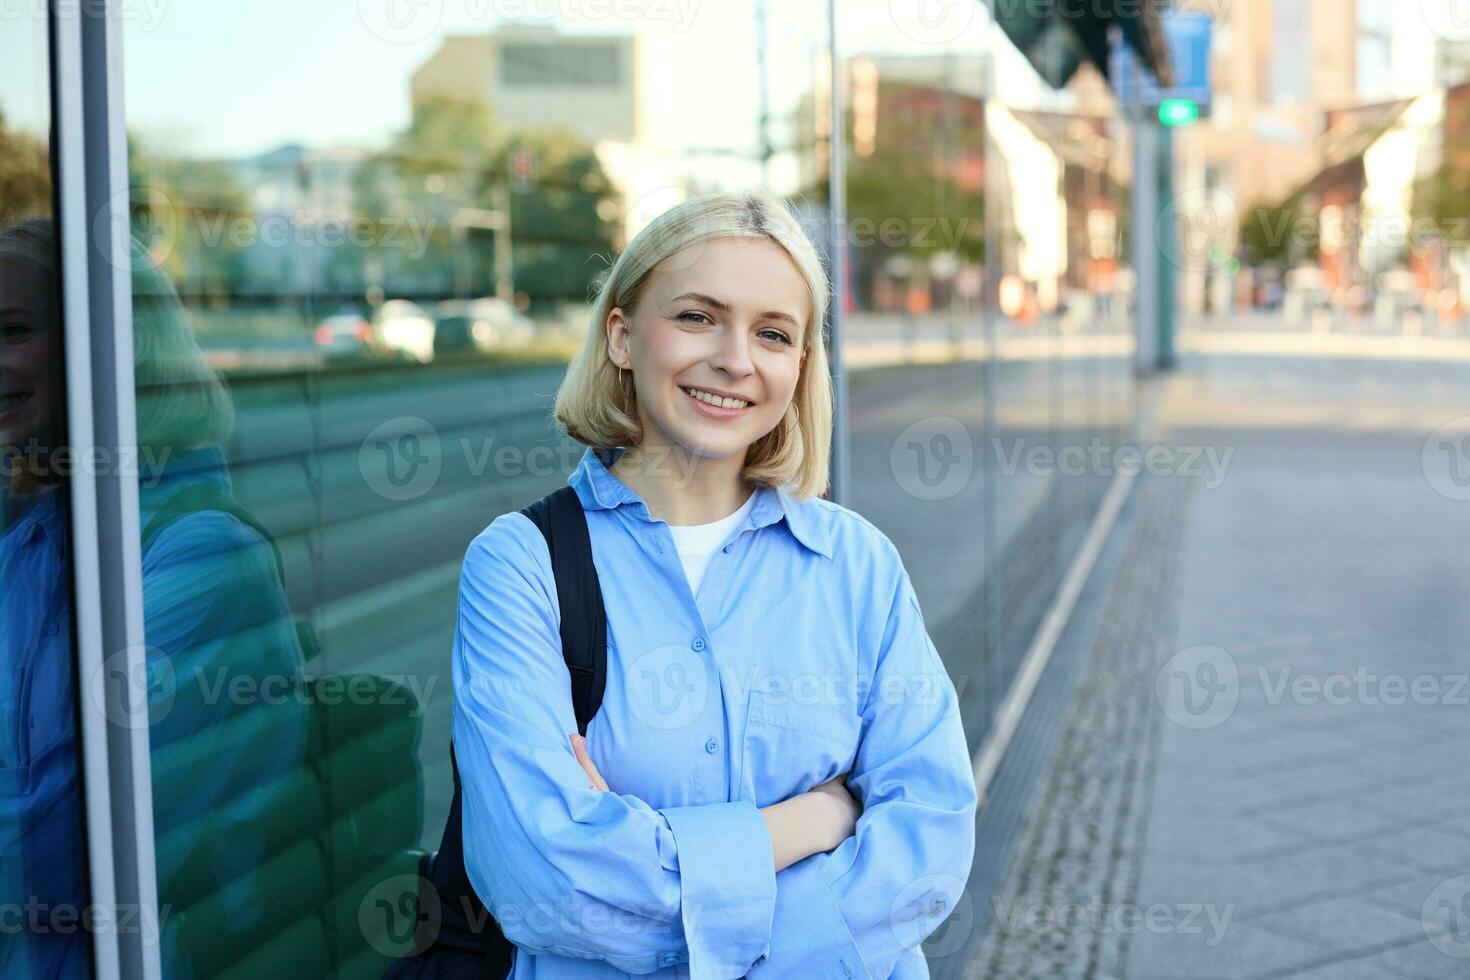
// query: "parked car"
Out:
[486,324]
[403,328]
[346,333]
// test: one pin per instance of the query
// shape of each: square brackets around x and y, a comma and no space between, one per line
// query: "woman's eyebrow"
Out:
[725,308]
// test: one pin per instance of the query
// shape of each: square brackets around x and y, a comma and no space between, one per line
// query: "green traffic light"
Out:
[1178,112]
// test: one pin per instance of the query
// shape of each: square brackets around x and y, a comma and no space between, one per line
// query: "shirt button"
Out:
[51,629]
[698,644]
[711,745]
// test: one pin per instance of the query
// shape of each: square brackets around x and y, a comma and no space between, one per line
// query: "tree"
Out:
[903,198]
[25,175]
[1269,233]
[453,168]
[557,216]
[195,218]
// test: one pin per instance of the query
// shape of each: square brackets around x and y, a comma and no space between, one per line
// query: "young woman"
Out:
[777,782]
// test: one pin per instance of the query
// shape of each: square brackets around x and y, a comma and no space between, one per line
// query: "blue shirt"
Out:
[213,611]
[41,837]
[804,655]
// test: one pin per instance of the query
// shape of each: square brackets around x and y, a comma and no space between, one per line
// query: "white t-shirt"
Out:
[697,543]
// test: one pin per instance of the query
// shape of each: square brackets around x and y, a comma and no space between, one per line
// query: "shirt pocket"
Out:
[790,746]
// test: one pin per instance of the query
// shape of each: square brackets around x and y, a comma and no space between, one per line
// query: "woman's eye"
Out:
[694,316]
[14,333]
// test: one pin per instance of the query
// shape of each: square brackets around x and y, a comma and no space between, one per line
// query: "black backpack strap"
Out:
[563,523]
[198,497]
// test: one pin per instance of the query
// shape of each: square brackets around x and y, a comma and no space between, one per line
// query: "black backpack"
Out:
[199,497]
[469,944]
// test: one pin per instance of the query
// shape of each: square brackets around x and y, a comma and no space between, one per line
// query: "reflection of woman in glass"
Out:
[214,612]
[763,643]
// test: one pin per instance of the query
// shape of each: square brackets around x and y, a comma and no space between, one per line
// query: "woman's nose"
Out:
[733,354]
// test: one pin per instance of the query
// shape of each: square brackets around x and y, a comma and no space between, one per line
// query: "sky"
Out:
[23,82]
[205,78]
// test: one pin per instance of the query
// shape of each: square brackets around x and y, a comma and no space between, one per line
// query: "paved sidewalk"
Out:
[1264,771]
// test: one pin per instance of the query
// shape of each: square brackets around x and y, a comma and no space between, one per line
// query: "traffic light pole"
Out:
[1144,219]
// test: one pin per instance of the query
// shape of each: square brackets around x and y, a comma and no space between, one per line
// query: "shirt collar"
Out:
[599,489]
[40,513]
[36,515]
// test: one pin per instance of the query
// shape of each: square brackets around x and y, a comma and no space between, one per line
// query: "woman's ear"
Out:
[616,347]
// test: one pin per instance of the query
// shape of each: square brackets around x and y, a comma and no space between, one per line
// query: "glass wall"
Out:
[982,444]
[46,921]
[360,268]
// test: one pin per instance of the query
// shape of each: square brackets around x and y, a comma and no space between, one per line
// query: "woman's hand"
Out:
[579,749]
[806,824]
[812,822]
[839,809]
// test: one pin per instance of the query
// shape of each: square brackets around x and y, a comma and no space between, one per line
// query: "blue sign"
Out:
[1187,37]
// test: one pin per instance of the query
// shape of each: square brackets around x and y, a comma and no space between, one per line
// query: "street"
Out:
[1259,771]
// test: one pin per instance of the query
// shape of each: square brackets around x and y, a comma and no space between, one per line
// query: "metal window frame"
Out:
[837,243]
[92,225]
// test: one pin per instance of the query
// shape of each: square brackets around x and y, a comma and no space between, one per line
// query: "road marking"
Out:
[988,759]
[1393,347]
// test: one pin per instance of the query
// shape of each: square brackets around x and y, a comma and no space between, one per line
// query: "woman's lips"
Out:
[14,400]
[714,411]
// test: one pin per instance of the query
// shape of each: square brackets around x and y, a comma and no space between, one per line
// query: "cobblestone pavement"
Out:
[1263,770]
[1079,849]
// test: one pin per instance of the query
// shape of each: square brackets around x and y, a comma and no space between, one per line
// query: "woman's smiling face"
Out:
[725,317]
[27,352]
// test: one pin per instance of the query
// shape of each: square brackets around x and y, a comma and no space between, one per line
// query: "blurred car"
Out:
[486,324]
[403,328]
[346,333]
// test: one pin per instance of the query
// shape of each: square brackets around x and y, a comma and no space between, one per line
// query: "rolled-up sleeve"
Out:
[566,869]
[858,910]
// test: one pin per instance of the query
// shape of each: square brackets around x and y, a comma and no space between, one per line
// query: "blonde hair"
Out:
[181,402]
[598,407]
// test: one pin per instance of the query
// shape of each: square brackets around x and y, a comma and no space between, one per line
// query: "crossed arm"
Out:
[806,824]
[571,868]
